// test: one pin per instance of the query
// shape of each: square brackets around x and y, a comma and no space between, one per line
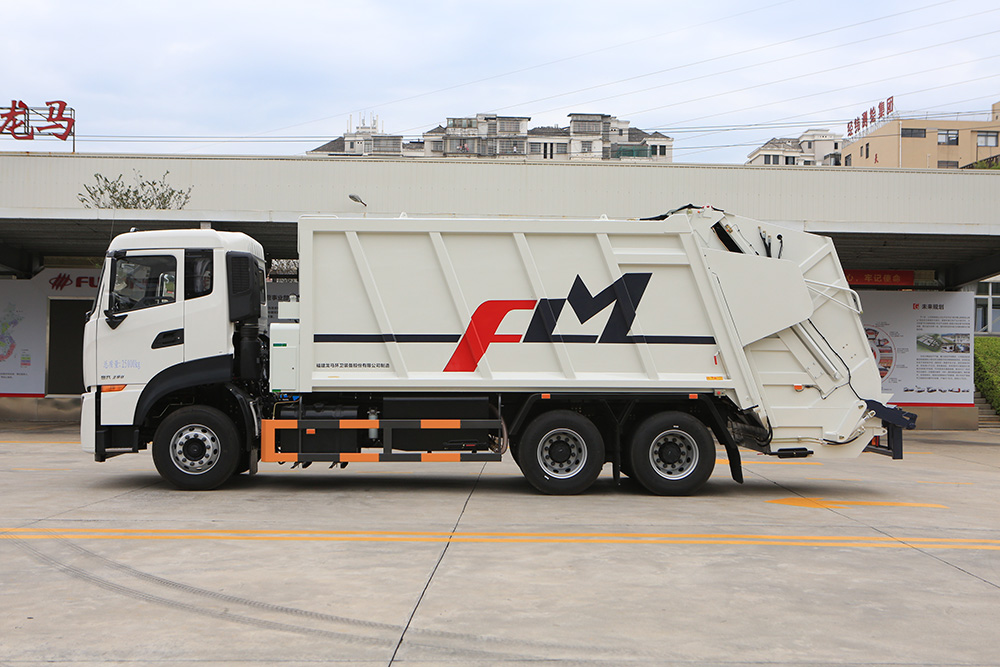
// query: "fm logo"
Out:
[624,293]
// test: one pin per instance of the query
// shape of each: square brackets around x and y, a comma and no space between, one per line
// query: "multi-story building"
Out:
[588,137]
[367,141]
[813,147]
[924,143]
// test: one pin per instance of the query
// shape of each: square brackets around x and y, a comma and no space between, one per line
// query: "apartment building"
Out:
[591,137]
[925,143]
[813,147]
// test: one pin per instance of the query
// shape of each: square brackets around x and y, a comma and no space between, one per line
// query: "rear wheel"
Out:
[672,454]
[561,452]
[196,448]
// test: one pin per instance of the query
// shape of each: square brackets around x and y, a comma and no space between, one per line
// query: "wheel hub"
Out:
[195,449]
[562,453]
[559,452]
[673,454]
[670,453]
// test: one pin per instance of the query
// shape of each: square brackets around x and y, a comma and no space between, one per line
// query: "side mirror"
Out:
[114,319]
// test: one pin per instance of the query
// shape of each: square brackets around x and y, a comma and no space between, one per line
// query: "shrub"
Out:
[986,362]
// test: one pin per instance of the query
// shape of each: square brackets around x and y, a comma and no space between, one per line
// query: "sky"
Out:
[279,78]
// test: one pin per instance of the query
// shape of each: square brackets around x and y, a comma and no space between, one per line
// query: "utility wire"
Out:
[743,53]
[536,66]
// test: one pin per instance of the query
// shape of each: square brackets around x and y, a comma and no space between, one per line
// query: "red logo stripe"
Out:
[482,331]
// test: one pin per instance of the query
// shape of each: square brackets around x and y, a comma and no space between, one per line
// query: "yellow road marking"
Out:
[503,537]
[827,504]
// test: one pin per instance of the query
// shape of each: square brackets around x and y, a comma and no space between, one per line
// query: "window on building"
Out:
[867,151]
[461,122]
[807,162]
[790,159]
[562,149]
[836,145]
[986,139]
[847,161]
[586,127]
[586,146]
[947,164]
[387,144]
[510,126]
[809,144]
[510,147]
[947,137]
[352,145]
[437,146]
[535,147]
[461,145]
[913,133]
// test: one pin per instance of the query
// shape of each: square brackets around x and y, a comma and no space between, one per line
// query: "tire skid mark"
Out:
[457,645]
[100,582]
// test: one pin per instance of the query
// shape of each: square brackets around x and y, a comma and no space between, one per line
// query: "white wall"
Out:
[816,198]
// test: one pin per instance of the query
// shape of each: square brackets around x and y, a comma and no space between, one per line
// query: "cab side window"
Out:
[143,282]
[197,273]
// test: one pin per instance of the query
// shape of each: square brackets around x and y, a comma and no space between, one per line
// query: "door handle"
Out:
[168,338]
[114,319]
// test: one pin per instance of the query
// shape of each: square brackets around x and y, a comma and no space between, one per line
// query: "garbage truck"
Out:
[565,344]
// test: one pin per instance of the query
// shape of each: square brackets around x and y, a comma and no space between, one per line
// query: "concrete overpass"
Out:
[943,221]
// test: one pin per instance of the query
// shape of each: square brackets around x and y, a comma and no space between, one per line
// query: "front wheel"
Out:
[196,448]
[672,454]
[561,452]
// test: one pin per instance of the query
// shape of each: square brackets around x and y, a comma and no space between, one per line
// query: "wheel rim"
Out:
[562,453]
[195,449]
[673,454]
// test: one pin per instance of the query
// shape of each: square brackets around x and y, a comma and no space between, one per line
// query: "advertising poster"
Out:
[922,343]
[22,339]
[24,306]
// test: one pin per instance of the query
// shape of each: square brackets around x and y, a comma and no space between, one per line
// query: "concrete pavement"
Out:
[860,562]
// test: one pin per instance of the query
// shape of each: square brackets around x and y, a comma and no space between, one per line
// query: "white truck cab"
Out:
[172,311]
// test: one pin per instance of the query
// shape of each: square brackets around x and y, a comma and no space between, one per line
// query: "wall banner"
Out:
[922,342]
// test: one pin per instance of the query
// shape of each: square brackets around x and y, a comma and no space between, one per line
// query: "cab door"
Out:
[140,323]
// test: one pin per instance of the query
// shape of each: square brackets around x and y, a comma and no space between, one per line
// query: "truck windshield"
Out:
[142,282]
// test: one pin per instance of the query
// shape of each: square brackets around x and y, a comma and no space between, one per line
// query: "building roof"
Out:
[548,132]
[781,144]
[436,130]
[335,146]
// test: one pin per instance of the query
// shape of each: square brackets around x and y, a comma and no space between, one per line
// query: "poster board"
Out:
[24,306]
[922,342]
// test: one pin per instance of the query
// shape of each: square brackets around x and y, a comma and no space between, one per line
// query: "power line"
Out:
[746,52]
[537,66]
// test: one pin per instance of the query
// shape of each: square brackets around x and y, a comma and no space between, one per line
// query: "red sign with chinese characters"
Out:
[23,122]
[869,117]
[876,278]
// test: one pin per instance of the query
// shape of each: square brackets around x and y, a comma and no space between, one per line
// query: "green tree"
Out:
[107,193]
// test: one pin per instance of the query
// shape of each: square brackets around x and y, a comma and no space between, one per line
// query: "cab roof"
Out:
[169,239]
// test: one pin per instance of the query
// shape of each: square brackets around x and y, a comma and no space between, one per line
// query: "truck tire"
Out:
[561,453]
[196,448]
[672,454]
